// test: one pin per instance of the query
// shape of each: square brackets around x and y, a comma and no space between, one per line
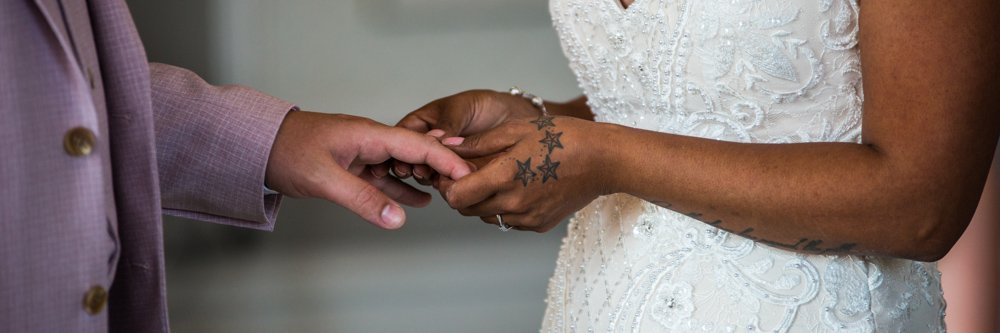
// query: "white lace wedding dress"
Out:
[775,71]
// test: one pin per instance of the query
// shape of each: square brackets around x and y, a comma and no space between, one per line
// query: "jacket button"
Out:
[79,141]
[95,299]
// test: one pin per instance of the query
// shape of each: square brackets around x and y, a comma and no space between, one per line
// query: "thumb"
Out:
[416,121]
[437,115]
[434,116]
[363,199]
[453,124]
[483,144]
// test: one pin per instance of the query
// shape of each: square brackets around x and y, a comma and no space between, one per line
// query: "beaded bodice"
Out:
[738,70]
[772,71]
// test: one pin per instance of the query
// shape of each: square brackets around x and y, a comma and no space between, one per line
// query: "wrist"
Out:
[558,109]
[536,102]
[607,157]
[576,108]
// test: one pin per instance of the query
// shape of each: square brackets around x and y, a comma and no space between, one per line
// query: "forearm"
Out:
[813,197]
[576,108]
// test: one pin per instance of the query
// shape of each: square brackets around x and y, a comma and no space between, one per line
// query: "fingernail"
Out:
[392,216]
[461,172]
[436,133]
[400,172]
[453,141]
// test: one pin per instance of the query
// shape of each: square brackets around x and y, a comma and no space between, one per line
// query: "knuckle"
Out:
[515,204]
[430,141]
[456,204]
[472,142]
[535,222]
[311,185]
[522,127]
[368,197]
[467,212]
[369,122]
[374,125]
[488,96]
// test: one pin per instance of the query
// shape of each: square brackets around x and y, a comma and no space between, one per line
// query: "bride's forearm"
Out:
[825,198]
[576,108]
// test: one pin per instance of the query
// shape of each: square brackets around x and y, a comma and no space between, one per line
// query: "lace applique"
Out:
[845,308]
[740,70]
[673,304]
[774,71]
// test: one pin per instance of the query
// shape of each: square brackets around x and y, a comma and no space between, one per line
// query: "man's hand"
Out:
[328,156]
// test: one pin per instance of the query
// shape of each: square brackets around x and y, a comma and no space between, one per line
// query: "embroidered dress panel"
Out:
[766,71]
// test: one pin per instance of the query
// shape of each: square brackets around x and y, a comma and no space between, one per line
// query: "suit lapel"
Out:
[50,10]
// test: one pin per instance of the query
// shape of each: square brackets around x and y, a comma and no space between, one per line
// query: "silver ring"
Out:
[503,227]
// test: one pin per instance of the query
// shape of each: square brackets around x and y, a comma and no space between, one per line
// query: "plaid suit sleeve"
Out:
[212,145]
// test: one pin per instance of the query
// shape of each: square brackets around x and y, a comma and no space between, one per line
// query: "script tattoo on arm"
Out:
[814,246]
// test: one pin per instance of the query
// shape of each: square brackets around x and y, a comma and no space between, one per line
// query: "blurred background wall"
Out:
[323,269]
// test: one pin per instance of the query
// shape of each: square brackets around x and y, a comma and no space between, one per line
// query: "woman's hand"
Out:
[468,112]
[465,113]
[533,172]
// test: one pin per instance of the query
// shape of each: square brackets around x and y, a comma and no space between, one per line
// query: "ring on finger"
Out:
[503,227]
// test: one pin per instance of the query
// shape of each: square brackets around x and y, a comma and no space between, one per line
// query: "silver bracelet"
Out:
[538,102]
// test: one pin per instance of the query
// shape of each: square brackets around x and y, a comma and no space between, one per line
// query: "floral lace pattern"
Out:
[771,71]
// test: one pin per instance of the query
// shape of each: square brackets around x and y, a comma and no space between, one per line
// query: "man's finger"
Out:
[399,191]
[362,198]
[416,148]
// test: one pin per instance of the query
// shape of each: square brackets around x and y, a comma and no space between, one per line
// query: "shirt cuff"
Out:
[268,191]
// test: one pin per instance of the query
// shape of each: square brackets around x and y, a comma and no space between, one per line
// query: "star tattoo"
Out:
[552,140]
[548,169]
[524,173]
[543,122]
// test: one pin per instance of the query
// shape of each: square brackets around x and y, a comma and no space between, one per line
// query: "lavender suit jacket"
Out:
[164,142]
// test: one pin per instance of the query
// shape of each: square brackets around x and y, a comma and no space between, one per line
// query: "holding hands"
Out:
[534,169]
